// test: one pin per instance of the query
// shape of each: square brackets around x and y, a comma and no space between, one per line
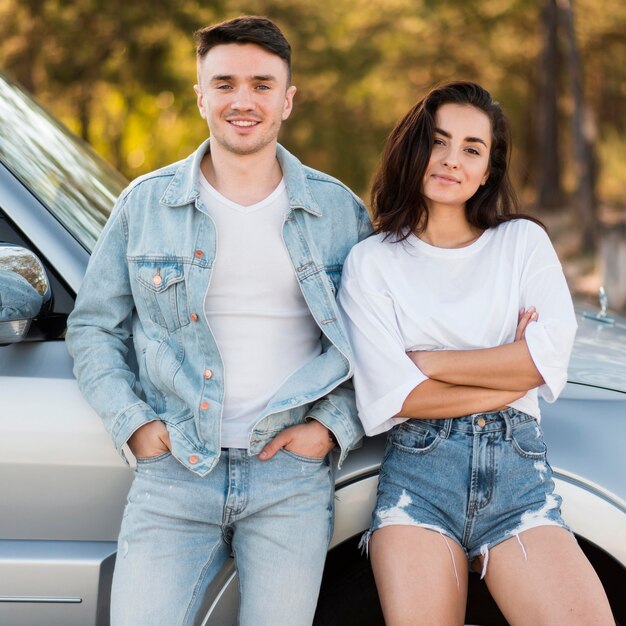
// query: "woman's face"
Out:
[459,161]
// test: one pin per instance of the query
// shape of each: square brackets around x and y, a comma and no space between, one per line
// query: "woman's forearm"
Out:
[507,367]
[434,399]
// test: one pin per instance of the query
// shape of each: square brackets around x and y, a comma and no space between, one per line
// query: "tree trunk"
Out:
[548,170]
[83,106]
[583,135]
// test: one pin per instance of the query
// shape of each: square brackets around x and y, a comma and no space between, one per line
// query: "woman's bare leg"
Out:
[421,576]
[543,578]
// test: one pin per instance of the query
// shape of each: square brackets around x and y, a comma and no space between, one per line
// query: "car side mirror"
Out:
[24,291]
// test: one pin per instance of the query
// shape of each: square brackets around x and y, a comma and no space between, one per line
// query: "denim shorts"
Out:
[478,479]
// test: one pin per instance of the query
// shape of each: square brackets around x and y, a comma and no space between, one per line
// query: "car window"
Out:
[76,185]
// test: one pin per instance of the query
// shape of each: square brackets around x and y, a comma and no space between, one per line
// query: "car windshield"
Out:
[76,185]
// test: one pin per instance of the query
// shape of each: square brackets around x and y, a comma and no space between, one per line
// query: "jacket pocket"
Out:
[163,291]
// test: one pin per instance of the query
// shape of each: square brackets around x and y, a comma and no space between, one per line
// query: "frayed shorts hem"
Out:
[483,550]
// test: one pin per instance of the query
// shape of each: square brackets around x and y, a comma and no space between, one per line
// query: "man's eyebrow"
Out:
[445,133]
[261,77]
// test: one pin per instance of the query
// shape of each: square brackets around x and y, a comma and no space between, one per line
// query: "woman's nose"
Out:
[451,158]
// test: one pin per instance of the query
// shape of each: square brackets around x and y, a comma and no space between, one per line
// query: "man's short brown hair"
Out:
[245,29]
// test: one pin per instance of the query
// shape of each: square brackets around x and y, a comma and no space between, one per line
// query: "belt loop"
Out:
[509,427]
[447,427]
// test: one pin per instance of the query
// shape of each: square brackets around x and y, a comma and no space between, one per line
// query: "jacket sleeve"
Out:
[99,334]
[337,410]
[365,228]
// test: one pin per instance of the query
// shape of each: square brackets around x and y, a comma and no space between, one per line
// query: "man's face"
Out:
[244,96]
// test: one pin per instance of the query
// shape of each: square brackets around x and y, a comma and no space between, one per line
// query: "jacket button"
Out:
[193,459]
[198,254]
[194,317]
[208,374]
[204,406]
[157,280]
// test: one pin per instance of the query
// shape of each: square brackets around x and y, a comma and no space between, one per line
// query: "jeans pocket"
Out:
[416,437]
[153,459]
[527,439]
[313,460]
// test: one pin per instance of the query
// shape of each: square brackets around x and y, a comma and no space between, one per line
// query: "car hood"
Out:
[599,354]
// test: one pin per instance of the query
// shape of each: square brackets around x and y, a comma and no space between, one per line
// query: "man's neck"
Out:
[244,179]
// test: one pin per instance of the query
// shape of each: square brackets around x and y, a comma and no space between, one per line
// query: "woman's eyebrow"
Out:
[445,133]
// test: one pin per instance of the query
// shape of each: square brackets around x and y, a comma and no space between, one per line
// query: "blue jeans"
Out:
[179,530]
[479,479]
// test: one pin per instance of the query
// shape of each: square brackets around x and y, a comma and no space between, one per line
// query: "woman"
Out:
[451,355]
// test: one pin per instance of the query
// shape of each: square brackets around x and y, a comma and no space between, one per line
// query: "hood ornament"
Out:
[601,315]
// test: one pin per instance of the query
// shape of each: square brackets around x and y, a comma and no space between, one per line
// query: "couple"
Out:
[224,269]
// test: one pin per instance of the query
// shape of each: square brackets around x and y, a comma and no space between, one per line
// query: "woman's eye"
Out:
[473,151]
[438,142]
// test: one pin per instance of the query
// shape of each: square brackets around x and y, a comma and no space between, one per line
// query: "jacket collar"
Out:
[184,189]
[298,190]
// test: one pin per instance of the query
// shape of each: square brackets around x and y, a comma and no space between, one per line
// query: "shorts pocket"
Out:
[527,439]
[416,437]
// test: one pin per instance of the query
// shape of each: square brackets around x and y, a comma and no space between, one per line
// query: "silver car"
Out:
[63,487]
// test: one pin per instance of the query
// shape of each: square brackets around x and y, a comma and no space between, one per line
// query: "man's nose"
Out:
[243,99]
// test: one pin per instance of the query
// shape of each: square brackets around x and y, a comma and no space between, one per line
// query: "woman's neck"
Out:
[449,229]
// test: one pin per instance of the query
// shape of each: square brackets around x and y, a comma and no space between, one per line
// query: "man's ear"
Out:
[199,101]
[288,107]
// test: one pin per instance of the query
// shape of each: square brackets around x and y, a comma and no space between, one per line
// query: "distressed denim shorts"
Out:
[478,479]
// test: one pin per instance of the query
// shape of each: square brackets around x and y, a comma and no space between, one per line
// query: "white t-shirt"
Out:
[397,297]
[255,308]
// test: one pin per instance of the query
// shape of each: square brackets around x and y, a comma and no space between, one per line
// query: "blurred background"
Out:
[120,74]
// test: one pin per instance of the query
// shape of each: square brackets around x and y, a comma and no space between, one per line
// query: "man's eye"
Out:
[263,87]
[223,87]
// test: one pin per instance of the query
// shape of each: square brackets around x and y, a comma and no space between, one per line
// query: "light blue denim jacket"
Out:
[148,277]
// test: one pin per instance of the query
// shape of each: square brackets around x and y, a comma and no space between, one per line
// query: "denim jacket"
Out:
[147,280]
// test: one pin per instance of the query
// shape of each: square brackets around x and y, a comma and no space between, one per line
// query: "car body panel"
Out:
[59,470]
[599,354]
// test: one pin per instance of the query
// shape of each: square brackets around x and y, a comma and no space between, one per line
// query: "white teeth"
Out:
[242,123]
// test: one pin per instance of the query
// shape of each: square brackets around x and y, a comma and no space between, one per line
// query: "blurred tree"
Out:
[97,63]
[121,74]
[548,174]
[583,134]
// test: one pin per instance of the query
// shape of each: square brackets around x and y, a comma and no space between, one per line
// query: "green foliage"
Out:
[121,73]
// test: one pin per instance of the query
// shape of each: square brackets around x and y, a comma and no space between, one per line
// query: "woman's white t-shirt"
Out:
[403,296]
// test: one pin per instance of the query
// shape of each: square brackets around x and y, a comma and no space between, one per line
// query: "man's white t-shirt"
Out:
[255,308]
[398,297]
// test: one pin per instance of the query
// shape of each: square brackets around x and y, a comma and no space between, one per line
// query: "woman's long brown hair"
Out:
[398,203]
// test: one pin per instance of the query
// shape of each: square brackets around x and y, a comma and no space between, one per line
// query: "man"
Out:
[226,266]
